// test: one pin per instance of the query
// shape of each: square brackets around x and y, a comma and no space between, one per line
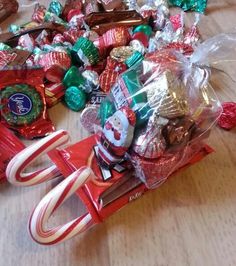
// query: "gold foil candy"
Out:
[121,53]
[167,96]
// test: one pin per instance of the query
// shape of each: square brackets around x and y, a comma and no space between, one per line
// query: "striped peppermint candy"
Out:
[15,169]
[51,202]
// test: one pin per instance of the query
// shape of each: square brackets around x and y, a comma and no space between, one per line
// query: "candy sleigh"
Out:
[103,191]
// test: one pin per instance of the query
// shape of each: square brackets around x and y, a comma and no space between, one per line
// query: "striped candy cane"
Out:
[17,165]
[51,202]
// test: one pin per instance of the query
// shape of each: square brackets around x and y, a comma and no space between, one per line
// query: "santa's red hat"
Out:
[129,114]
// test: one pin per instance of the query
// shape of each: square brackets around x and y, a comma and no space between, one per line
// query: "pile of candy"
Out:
[82,49]
[140,78]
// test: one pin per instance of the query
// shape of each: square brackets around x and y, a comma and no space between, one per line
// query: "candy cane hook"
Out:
[17,165]
[51,202]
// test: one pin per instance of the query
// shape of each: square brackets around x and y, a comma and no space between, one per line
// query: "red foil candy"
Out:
[176,21]
[72,35]
[10,145]
[227,119]
[184,48]
[115,37]
[107,79]
[109,76]
[39,13]
[55,64]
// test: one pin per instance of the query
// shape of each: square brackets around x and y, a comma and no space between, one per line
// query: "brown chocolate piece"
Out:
[179,131]
[12,39]
[103,21]
[110,5]
[7,7]
[21,57]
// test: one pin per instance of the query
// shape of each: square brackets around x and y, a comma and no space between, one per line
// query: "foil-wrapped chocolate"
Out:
[91,80]
[178,131]
[7,8]
[167,96]
[121,53]
[103,21]
[149,142]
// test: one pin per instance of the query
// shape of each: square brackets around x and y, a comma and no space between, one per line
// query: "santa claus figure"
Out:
[116,137]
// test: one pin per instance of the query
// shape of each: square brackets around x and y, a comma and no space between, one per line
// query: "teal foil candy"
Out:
[4,47]
[193,5]
[14,28]
[75,98]
[55,7]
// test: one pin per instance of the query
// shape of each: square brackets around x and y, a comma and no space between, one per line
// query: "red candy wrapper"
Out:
[23,104]
[227,119]
[10,145]
[55,64]
[39,13]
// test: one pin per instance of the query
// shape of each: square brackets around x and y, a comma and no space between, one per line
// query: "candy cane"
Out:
[18,164]
[51,202]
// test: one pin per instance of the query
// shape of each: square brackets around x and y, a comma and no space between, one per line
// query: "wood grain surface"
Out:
[190,220]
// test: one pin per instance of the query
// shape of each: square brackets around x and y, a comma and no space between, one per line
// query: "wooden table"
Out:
[191,220]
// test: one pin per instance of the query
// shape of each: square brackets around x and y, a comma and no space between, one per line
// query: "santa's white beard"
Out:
[109,134]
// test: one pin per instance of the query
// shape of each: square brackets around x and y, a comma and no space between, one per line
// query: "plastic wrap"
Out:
[161,110]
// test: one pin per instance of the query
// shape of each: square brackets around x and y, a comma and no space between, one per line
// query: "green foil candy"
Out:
[107,109]
[193,5]
[85,51]
[73,78]
[55,7]
[75,98]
